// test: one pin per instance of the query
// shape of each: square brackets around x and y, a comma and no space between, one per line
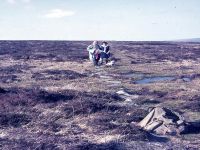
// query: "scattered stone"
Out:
[163,121]
[186,79]
[105,77]
[128,100]
[111,63]
[113,82]
[122,92]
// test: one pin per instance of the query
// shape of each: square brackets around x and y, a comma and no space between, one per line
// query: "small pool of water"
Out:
[153,80]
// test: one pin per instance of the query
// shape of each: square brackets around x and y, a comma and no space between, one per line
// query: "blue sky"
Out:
[99,19]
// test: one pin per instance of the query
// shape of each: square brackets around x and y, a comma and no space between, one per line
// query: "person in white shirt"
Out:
[94,52]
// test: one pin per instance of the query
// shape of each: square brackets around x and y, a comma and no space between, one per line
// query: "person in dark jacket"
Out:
[105,54]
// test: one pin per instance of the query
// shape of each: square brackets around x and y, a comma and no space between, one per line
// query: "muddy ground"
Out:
[51,96]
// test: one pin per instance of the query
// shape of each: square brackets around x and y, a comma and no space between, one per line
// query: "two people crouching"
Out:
[97,53]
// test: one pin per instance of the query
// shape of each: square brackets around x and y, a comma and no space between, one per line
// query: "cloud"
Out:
[58,13]
[11,1]
[16,1]
[26,1]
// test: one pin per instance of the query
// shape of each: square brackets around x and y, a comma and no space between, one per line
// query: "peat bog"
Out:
[51,96]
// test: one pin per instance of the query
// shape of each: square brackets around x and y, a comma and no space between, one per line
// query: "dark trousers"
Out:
[104,56]
[96,59]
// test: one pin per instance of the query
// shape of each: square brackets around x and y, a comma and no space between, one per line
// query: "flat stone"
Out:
[122,92]
[105,77]
[115,82]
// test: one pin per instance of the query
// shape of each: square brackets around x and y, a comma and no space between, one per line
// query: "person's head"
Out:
[95,43]
[104,43]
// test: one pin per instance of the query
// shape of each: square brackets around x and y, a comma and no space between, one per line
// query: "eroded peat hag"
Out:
[57,75]
[61,114]
[13,120]
[2,91]
[51,96]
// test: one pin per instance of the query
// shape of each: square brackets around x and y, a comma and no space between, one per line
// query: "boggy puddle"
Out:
[154,79]
[147,80]
[144,78]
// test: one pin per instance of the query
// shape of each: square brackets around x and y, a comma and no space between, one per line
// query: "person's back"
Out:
[93,50]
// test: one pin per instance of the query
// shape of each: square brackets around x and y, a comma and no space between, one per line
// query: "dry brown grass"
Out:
[85,112]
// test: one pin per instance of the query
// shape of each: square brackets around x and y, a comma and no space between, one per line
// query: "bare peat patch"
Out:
[160,94]
[13,120]
[46,97]
[192,128]
[3,91]
[57,75]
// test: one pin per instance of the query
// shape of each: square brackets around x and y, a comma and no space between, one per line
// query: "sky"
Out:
[124,20]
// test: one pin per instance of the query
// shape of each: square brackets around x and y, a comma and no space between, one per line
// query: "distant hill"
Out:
[189,40]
